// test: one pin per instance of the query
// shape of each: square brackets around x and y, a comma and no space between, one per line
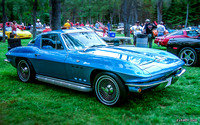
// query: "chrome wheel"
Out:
[189,56]
[107,90]
[23,71]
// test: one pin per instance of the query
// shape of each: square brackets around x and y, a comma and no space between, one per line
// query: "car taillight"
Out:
[174,48]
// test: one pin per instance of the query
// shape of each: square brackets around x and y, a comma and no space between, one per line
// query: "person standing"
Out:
[67,25]
[14,29]
[38,24]
[108,25]
[97,25]
[148,30]
[161,29]
[136,29]
[77,24]
[82,24]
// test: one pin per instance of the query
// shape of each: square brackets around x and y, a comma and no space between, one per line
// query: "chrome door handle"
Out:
[37,54]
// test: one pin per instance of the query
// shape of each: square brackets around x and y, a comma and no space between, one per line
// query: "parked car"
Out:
[177,34]
[21,33]
[120,28]
[187,49]
[79,59]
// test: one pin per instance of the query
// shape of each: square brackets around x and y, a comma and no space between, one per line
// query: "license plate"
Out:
[169,80]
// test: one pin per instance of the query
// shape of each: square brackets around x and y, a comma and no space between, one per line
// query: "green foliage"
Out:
[42,103]
[174,11]
[175,14]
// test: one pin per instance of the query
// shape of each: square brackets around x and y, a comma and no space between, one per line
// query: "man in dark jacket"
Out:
[148,30]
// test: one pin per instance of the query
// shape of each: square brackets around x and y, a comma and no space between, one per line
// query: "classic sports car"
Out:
[177,34]
[79,59]
[187,49]
[22,34]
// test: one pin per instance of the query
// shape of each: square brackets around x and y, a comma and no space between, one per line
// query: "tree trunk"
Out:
[50,12]
[159,10]
[4,19]
[126,6]
[135,10]
[34,18]
[186,21]
[56,15]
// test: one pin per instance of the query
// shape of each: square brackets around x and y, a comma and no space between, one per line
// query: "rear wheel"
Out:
[25,71]
[189,56]
[109,89]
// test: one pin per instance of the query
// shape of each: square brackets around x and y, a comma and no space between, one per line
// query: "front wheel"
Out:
[25,71]
[189,56]
[109,89]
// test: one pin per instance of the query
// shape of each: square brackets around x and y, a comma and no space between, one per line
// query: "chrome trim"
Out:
[154,83]
[147,84]
[180,72]
[6,60]
[64,83]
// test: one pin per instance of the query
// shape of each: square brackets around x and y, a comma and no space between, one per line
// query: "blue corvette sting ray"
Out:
[79,59]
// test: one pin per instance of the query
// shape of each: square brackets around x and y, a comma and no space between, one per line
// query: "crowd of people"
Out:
[138,28]
[148,30]
[69,25]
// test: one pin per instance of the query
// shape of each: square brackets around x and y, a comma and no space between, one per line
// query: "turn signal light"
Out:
[139,90]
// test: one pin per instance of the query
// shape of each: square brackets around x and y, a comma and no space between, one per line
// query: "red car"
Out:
[177,34]
[9,24]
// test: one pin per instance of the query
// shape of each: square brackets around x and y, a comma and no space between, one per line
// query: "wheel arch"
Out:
[195,53]
[97,71]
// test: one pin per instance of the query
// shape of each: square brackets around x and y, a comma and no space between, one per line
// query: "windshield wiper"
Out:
[93,46]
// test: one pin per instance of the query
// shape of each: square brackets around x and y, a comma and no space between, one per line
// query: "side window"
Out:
[32,42]
[51,41]
[192,33]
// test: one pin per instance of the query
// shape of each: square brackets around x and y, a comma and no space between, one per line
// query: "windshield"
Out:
[180,32]
[82,40]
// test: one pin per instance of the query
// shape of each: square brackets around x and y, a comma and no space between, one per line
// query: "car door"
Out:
[74,63]
[51,57]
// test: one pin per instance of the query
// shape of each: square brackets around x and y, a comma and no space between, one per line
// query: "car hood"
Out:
[149,59]
[23,32]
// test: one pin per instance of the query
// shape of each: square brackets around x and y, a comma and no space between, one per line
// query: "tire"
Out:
[109,89]
[25,71]
[189,56]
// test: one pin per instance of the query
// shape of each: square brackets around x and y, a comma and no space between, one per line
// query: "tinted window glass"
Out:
[192,33]
[51,41]
[32,42]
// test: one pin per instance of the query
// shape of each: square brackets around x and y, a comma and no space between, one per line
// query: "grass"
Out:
[42,103]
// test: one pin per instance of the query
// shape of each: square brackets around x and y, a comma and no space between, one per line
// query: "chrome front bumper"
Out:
[134,87]
[6,60]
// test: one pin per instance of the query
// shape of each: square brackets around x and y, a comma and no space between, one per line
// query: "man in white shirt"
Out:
[161,29]
[136,29]
[38,24]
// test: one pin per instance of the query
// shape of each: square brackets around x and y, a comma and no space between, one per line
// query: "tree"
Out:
[159,10]
[4,19]
[187,12]
[126,5]
[34,17]
[56,14]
